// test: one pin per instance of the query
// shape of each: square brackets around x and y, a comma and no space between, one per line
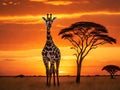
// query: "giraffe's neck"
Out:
[49,37]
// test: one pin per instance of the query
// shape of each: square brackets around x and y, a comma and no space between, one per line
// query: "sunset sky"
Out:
[23,34]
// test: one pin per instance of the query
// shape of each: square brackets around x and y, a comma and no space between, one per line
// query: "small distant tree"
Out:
[21,76]
[85,36]
[111,69]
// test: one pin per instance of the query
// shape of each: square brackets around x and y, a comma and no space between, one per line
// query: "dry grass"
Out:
[66,83]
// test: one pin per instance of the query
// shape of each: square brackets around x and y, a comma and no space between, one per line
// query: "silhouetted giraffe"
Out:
[51,54]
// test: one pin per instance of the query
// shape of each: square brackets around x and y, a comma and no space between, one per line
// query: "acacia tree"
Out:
[85,36]
[111,69]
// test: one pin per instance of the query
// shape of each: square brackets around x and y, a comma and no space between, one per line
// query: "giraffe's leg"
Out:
[47,71]
[47,75]
[54,75]
[51,72]
[57,72]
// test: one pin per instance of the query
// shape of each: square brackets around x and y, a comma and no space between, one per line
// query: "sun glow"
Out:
[31,63]
[61,72]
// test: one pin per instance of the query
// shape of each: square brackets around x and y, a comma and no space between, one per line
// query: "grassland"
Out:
[66,83]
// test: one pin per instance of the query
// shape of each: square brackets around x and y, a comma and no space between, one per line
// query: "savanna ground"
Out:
[66,83]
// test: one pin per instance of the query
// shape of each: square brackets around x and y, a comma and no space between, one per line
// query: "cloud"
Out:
[9,2]
[37,19]
[54,2]
[6,60]
[58,2]
[21,19]
[38,0]
[26,7]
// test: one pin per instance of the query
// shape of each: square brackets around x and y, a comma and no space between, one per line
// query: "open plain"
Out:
[66,83]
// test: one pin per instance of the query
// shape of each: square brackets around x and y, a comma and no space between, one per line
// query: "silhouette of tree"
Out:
[111,69]
[21,76]
[85,36]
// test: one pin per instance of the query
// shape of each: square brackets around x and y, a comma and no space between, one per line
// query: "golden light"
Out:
[54,2]
[38,0]
[59,2]
[61,72]
[30,61]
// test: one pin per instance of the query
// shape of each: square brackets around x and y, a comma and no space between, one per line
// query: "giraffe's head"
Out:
[49,20]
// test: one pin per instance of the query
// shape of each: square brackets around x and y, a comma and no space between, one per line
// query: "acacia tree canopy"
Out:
[85,36]
[111,69]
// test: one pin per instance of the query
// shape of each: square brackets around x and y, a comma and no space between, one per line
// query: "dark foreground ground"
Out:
[66,83]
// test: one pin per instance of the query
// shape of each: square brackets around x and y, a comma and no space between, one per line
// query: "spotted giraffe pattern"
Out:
[51,52]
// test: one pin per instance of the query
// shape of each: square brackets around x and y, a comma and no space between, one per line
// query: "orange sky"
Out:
[23,34]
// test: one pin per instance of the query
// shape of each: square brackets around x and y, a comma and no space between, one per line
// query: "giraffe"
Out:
[51,54]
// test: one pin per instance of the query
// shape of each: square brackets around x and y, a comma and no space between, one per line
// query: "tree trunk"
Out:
[112,76]
[78,72]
